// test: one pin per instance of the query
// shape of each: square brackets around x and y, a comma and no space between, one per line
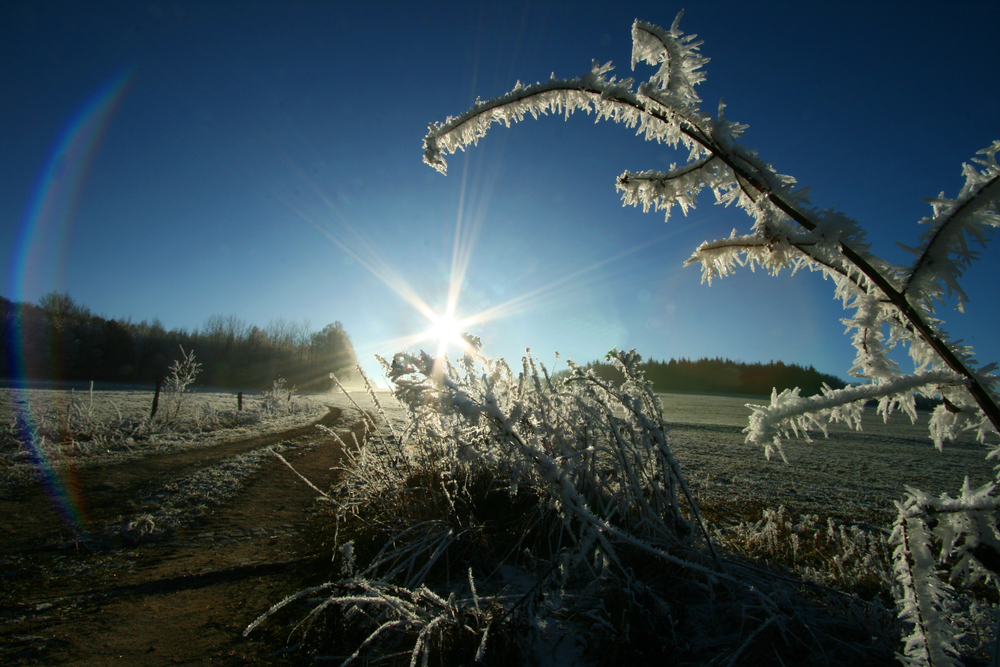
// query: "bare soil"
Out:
[186,597]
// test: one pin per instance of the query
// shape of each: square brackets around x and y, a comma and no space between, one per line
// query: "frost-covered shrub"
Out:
[180,376]
[210,417]
[520,518]
[893,306]
[278,400]
[849,557]
[594,454]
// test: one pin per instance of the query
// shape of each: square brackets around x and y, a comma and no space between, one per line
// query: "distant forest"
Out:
[724,376]
[65,341]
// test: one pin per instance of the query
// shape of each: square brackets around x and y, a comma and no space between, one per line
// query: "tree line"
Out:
[724,376]
[58,339]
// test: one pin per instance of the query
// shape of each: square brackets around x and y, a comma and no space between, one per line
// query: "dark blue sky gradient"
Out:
[256,146]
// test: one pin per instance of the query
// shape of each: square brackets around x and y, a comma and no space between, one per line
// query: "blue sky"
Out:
[264,160]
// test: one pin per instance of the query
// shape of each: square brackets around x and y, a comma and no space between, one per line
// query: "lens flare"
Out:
[39,247]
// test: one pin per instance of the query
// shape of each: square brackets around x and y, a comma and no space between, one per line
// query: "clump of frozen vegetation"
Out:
[938,542]
[180,376]
[278,400]
[849,557]
[521,518]
[85,429]
[78,428]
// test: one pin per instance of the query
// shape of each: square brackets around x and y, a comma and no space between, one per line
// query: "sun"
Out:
[447,331]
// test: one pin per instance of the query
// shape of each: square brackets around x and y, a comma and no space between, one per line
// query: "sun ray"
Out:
[359,247]
[565,288]
[444,326]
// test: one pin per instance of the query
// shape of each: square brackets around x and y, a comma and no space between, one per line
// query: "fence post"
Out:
[156,399]
[239,401]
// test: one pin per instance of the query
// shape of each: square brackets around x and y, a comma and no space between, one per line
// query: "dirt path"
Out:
[185,596]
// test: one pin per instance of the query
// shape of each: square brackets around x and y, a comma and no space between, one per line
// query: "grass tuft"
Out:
[521,519]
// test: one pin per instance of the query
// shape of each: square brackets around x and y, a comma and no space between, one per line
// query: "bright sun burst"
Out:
[447,332]
[447,329]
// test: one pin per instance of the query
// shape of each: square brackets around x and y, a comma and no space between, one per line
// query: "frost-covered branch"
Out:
[945,253]
[965,531]
[791,413]
[787,232]
[676,55]
[607,99]
[893,306]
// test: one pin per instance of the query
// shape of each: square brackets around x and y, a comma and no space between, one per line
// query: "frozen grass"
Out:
[514,519]
[56,427]
[854,475]
[511,529]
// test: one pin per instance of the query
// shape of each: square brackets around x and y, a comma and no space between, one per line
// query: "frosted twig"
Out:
[312,486]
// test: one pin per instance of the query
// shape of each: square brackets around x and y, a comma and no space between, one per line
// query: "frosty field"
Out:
[109,542]
[197,497]
[205,418]
[851,474]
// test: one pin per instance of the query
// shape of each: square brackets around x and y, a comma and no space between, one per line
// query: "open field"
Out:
[854,475]
[85,427]
[110,402]
[201,517]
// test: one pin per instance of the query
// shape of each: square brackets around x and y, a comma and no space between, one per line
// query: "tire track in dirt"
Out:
[29,519]
[183,600]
